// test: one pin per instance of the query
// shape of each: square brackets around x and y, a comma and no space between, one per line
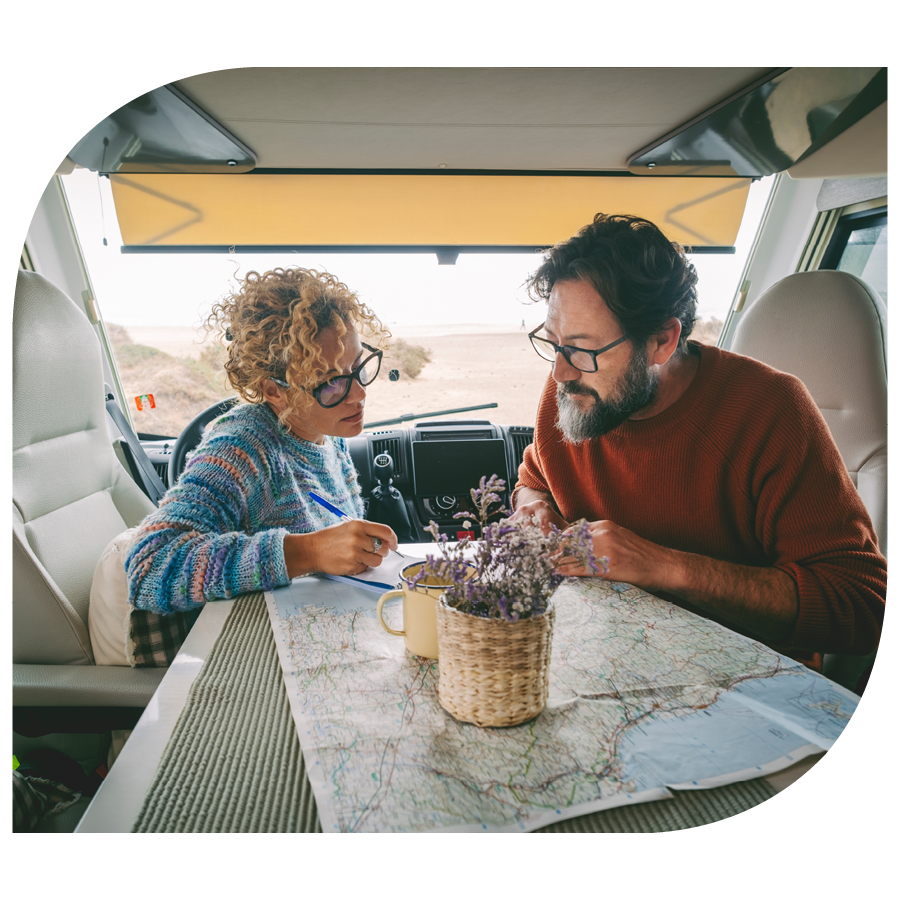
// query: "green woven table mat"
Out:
[234,762]
[686,809]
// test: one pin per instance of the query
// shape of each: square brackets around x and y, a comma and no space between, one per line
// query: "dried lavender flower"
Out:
[514,561]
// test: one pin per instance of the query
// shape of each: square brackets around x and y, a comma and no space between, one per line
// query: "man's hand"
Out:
[760,600]
[540,513]
[343,549]
[536,506]
[631,558]
[757,600]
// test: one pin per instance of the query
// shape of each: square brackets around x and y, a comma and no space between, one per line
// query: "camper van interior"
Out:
[432,192]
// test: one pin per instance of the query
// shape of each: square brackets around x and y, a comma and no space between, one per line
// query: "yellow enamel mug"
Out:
[419,611]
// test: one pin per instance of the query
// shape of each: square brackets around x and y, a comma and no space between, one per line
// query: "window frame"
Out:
[845,227]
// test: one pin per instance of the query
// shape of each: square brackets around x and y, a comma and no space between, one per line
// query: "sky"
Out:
[408,289]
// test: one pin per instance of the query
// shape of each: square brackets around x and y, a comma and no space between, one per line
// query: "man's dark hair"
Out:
[644,278]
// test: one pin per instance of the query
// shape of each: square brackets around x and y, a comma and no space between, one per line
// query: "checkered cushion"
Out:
[120,634]
[28,804]
[156,639]
[36,798]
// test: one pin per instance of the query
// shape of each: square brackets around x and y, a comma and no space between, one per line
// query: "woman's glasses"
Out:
[576,357]
[332,392]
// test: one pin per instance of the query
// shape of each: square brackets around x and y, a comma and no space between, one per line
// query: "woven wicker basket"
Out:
[493,672]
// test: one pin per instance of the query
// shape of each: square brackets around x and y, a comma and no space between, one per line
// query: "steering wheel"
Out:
[193,432]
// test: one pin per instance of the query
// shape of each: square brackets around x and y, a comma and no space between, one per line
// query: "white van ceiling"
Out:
[858,152]
[477,118]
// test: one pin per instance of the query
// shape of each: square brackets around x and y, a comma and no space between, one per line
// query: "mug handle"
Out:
[378,612]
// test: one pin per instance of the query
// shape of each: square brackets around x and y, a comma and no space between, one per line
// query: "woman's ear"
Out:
[274,396]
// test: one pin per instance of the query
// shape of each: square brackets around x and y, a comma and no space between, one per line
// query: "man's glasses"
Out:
[332,392]
[576,357]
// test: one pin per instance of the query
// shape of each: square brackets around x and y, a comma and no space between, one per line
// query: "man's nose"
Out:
[562,371]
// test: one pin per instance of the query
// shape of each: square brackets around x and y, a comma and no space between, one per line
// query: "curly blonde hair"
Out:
[271,325]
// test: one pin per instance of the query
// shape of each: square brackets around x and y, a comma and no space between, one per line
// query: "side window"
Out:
[859,246]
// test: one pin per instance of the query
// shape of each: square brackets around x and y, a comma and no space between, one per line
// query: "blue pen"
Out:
[376,542]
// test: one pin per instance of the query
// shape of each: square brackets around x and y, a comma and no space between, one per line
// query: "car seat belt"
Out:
[147,479]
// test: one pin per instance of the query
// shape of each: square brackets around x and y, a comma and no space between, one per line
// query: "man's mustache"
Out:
[574,387]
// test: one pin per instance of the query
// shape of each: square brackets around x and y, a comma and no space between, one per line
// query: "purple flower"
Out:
[514,562]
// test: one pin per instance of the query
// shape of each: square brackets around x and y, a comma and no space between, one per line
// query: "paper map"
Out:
[643,696]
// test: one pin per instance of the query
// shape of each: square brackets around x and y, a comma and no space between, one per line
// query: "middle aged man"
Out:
[708,478]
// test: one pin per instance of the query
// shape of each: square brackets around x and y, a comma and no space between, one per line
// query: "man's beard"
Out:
[634,391]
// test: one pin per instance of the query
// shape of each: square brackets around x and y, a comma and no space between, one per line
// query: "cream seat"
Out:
[828,329]
[71,496]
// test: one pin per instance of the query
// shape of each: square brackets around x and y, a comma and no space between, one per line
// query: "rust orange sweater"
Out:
[741,468]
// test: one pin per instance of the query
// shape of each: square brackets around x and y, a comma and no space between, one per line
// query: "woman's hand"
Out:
[342,549]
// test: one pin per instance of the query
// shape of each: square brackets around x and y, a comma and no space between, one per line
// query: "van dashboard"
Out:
[433,465]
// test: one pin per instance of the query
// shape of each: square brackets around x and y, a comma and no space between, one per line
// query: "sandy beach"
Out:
[471,364]
[476,364]
[467,370]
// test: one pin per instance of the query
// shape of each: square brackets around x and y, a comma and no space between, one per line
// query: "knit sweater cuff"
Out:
[276,555]
[834,621]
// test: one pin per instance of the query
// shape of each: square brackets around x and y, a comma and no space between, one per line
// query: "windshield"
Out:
[459,332]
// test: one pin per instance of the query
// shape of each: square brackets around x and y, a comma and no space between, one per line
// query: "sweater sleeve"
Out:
[531,469]
[531,473]
[815,528]
[197,546]
[350,478]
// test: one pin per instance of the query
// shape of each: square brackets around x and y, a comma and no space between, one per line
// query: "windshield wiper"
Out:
[408,417]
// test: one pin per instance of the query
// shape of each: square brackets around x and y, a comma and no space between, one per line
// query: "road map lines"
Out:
[644,696]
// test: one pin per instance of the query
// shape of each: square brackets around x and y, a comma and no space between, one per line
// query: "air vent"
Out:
[520,439]
[162,469]
[448,435]
[390,446]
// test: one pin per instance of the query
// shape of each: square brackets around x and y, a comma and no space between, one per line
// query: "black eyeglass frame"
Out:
[348,379]
[565,349]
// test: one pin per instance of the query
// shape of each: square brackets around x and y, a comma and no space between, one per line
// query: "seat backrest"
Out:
[71,495]
[828,329]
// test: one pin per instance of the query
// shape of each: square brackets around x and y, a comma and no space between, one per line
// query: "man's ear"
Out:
[662,345]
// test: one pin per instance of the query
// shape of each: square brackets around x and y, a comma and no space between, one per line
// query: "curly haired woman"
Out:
[240,518]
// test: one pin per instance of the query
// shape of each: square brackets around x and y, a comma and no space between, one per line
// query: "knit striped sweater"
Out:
[742,467]
[220,530]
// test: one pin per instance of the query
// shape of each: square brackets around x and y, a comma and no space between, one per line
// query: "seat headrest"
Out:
[57,367]
[828,329]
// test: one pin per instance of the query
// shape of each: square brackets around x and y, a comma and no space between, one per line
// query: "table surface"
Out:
[118,802]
